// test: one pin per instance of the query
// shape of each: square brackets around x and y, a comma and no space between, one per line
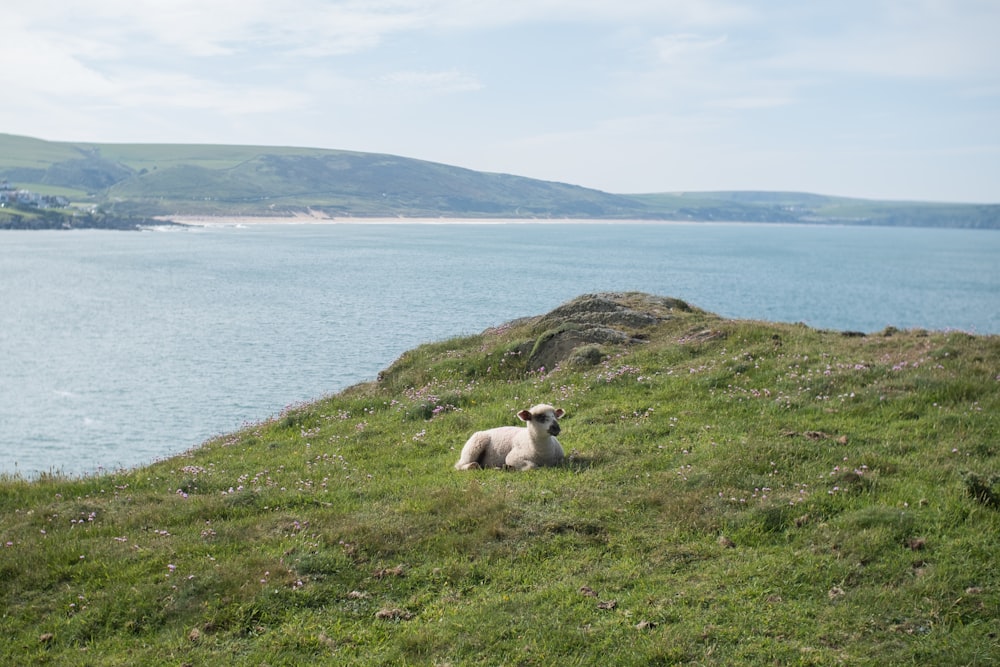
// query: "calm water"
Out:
[120,348]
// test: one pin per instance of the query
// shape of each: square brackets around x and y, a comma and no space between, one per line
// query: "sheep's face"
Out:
[543,417]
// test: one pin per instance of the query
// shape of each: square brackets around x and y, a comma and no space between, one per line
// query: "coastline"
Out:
[301,219]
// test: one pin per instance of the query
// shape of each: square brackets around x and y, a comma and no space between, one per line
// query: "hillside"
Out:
[736,492]
[147,180]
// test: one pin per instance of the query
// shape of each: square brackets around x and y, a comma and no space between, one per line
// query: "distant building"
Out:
[11,195]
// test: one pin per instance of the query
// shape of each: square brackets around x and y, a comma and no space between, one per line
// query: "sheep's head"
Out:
[542,417]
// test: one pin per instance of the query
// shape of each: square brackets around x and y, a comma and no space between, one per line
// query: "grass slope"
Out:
[163,179]
[736,493]
[805,208]
[144,180]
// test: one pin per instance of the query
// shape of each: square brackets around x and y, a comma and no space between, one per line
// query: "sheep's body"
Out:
[517,448]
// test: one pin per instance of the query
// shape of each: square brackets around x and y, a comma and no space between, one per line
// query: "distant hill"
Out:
[145,180]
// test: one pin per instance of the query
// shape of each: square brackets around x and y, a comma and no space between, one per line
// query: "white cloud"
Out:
[898,39]
[45,63]
[678,48]
[180,91]
[493,13]
[207,28]
[218,28]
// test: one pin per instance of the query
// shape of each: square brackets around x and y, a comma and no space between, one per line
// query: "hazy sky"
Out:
[895,99]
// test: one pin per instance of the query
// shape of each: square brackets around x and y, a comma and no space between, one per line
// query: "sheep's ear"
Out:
[524,416]
[559,413]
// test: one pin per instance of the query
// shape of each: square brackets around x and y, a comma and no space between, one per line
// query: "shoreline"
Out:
[230,220]
[250,220]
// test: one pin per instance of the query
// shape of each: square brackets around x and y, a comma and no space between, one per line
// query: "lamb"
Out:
[516,448]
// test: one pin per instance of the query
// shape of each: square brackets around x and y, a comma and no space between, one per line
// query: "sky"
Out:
[882,99]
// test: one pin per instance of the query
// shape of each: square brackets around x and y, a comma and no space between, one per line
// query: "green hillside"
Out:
[147,180]
[736,492]
[804,208]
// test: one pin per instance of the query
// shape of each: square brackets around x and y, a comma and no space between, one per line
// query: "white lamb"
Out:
[514,447]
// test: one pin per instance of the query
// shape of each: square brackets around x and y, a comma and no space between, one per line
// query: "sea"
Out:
[118,349]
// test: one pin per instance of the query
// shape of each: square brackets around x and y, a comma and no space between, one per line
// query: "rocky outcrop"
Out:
[59,220]
[581,332]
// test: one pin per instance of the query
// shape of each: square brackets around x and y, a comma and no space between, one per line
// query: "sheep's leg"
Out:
[519,464]
[474,452]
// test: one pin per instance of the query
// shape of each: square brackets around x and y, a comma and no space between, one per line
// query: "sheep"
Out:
[515,448]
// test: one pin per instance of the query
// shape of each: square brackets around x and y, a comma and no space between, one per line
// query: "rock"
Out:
[577,331]
[558,345]
[601,310]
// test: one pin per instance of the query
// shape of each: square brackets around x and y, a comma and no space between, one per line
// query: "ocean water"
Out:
[118,348]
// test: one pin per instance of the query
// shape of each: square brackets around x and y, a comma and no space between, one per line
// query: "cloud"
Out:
[213,28]
[678,48]
[924,39]
[46,63]
[180,91]
[217,28]
[494,13]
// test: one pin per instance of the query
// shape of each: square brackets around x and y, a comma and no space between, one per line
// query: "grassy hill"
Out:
[797,207]
[736,492]
[145,180]
[149,179]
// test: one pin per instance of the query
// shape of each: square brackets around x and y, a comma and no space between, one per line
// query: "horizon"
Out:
[896,101]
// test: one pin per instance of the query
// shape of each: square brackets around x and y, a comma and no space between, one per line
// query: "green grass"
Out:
[735,493]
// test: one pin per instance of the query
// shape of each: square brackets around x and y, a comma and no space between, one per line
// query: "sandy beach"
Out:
[228,220]
[320,219]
